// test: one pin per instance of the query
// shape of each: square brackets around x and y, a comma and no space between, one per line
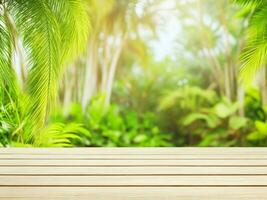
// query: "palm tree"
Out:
[114,23]
[52,33]
[110,22]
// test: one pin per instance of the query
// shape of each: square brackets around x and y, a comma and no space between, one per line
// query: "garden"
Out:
[133,73]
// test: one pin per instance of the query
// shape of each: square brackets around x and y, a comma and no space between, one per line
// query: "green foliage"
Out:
[226,108]
[12,130]
[63,135]
[190,97]
[253,105]
[203,119]
[7,124]
[259,136]
[254,54]
[237,122]
[111,127]
[52,33]
[114,129]
[11,122]
[256,3]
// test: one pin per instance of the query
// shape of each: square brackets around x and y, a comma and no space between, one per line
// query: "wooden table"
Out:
[133,173]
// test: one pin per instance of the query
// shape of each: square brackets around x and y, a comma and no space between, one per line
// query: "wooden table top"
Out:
[133,173]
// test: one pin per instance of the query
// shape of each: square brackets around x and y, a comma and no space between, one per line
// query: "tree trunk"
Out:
[112,70]
[91,73]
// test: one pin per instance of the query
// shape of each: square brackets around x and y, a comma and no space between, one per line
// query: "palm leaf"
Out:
[40,32]
[61,135]
[255,52]
[75,29]
[7,74]
[52,32]
[250,2]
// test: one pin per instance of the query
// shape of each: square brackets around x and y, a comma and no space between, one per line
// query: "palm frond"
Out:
[75,29]
[250,2]
[39,29]
[255,52]
[7,74]
[61,135]
[53,31]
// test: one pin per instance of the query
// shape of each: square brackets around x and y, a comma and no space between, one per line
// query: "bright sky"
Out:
[167,29]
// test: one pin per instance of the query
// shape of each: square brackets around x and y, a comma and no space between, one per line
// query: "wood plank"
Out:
[133,173]
[126,180]
[142,151]
[132,170]
[133,193]
[132,157]
[255,163]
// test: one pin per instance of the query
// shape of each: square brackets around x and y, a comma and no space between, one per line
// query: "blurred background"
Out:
[157,73]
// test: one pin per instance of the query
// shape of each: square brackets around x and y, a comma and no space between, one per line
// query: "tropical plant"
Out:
[116,31]
[219,125]
[217,45]
[63,135]
[203,118]
[145,77]
[259,135]
[52,33]
[254,106]
[254,54]
[113,126]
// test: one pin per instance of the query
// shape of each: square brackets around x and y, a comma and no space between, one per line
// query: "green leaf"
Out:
[52,32]
[254,54]
[256,136]
[225,109]
[7,73]
[261,127]
[140,138]
[211,120]
[61,135]
[237,122]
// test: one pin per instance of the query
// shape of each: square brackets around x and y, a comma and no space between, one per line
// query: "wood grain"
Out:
[138,151]
[133,163]
[134,193]
[77,170]
[133,173]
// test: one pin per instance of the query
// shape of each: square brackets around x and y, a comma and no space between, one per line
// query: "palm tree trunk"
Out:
[91,73]
[18,56]
[112,70]
[262,84]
